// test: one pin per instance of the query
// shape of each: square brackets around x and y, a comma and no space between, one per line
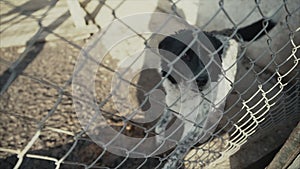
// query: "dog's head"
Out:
[193,56]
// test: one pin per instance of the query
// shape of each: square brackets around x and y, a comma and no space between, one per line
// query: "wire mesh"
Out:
[40,128]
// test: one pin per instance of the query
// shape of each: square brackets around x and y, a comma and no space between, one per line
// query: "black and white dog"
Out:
[198,99]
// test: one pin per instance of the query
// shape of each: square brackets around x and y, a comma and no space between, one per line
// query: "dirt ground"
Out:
[28,101]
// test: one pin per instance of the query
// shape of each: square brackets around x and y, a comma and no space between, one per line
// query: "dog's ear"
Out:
[175,43]
[161,44]
[256,30]
[167,42]
[171,44]
[261,27]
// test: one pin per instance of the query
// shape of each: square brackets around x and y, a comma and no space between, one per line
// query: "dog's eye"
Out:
[187,57]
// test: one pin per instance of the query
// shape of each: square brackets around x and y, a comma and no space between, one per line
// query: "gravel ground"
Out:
[33,95]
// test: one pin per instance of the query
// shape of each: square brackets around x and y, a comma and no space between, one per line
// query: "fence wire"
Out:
[39,125]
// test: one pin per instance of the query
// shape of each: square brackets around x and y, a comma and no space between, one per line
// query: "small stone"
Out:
[21,50]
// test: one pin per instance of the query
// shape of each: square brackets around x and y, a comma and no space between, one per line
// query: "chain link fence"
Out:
[107,108]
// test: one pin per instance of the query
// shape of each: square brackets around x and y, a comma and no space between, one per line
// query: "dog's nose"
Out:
[201,81]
